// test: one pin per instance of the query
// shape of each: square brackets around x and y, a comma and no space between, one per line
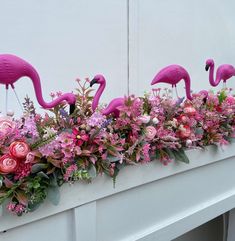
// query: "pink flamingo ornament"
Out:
[172,74]
[224,72]
[112,107]
[13,68]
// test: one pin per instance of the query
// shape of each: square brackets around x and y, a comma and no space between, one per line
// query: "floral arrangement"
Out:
[39,153]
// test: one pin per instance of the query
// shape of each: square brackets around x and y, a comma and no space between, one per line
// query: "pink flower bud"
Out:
[150,132]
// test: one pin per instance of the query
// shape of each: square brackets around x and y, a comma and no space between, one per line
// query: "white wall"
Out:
[65,40]
[181,32]
[79,38]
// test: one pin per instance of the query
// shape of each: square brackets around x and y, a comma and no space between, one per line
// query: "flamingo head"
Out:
[98,79]
[209,63]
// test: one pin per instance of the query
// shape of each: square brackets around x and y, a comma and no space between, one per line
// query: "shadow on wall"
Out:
[210,231]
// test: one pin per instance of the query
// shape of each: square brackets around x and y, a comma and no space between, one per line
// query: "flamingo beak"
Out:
[207,67]
[94,81]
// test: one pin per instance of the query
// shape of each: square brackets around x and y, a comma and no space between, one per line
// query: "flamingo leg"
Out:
[6,99]
[18,100]
[224,85]
[176,91]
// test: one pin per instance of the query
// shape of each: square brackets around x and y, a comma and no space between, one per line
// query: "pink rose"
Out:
[150,132]
[19,149]
[8,164]
[190,110]
[6,125]
[184,131]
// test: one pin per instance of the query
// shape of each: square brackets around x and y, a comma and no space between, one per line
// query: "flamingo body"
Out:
[223,72]
[12,68]
[113,105]
[172,74]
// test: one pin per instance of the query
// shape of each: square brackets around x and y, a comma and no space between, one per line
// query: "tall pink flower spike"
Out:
[13,68]
[172,74]
[112,107]
[224,72]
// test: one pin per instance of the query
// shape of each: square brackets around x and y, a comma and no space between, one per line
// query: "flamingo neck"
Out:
[188,87]
[211,76]
[97,96]
[33,75]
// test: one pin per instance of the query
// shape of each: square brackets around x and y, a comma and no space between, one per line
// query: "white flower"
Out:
[144,119]
[155,120]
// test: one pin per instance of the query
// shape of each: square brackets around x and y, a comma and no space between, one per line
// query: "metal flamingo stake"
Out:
[12,68]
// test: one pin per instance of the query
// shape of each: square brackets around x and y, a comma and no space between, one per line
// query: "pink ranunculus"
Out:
[19,149]
[190,110]
[8,164]
[150,132]
[184,131]
[6,125]
[144,119]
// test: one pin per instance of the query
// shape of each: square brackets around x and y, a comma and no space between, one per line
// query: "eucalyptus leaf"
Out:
[1,210]
[199,131]
[113,159]
[232,140]
[42,174]
[53,180]
[54,194]
[181,156]
[38,167]
[170,153]
[157,154]
[92,171]
[33,206]
[1,181]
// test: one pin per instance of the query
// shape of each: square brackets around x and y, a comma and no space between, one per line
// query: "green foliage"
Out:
[43,142]
[180,155]
[222,96]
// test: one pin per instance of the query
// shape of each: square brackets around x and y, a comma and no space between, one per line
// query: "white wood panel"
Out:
[181,32]
[177,177]
[65,40]
[159,210]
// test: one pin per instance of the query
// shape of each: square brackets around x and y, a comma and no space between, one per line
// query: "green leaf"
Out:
[181,156]
[232,140]
[157,154]
[1,181]
[42,174]
[199,131]
[170,153]
[33,206]
[54,194]
[38,167]
[113,158]
[1,210]
[92,171]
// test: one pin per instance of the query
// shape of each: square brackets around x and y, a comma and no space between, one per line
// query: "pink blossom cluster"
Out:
[40,152]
